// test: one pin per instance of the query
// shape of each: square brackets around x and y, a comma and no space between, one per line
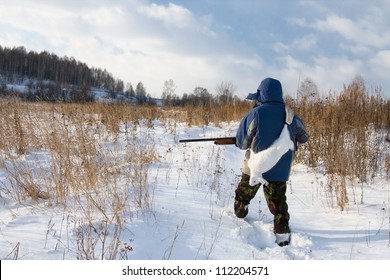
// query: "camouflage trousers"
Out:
[275,195]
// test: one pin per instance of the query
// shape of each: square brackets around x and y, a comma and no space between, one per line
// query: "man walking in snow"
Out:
[258,131]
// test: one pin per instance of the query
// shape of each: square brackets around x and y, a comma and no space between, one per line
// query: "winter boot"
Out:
[283,239]
[240,209]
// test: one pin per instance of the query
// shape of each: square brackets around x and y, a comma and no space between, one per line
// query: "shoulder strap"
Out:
[289,115]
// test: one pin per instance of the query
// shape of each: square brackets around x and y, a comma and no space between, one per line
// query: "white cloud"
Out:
[102,16]
[361,31]
[383,58]
[302,22]
[174,15]
[327,73]
[306,42]
[113,37]
[350,40]
[356,49]
[139,40]
[380,63]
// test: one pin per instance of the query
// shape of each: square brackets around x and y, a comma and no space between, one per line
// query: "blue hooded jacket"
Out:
[263,124]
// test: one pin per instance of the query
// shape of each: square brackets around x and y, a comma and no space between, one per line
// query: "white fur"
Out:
[261,162]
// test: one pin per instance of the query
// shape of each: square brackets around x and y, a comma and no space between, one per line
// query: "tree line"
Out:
[48,77]
[16,64]
[51,77]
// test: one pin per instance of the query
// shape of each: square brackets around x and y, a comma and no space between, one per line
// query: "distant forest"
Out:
[47,77]
[47,72]
[17,62]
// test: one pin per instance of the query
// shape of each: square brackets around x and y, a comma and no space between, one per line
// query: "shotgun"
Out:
[217,141]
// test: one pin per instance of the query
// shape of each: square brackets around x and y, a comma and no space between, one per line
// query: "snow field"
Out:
[186,210]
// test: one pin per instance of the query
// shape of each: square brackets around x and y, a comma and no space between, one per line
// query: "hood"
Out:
[269,90]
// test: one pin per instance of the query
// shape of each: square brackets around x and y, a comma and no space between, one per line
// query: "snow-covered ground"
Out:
[191,189]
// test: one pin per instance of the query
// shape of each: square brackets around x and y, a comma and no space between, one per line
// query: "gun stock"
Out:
[217,141]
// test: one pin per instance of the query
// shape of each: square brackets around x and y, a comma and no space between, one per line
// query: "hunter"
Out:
[257,131]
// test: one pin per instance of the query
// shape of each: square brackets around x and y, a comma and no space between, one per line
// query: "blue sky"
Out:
[206,42]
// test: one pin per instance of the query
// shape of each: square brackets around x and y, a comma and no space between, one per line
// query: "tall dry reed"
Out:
[79,155]
[347,137]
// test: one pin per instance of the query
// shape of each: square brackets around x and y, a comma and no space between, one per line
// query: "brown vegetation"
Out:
[88,151]
[347,135]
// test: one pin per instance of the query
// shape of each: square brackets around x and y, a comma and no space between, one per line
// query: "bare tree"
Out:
[225,92]
[226,100]
[168,94]
[140,93]
[129,90]
[307,89]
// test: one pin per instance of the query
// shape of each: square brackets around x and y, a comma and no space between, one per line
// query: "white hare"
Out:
[261,162]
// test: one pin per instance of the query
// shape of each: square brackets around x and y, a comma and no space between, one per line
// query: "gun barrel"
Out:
[218,140]
[199,140]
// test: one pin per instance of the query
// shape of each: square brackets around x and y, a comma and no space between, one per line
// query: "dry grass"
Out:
[347,137]
[69,155]
[80,155]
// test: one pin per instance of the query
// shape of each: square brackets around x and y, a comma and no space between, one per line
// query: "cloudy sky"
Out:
[206,42]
